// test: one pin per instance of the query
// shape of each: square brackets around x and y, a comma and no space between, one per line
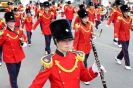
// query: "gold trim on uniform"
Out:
[11,36]
[66,70]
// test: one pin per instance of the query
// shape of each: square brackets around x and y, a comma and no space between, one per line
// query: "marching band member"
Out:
[91,12]
[28,22]
[21,9]
[12,41]
[69,12]
[78,20]
[53,9]
[32,8]
[37,8]
[64,68]
[97,16]
[83,35]
[113,17]
[123,24]
[85,5]
[65,6]
[2,28]
[46,18]
[9,9]
[17,18]
[39,12]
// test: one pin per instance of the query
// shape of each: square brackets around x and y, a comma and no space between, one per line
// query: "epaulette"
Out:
[40,14]
[1,33]
[114,10]
[3,20]
[119,17]
[76,26]
[32,17]
[131,17]
[76,15]
[21,29]
[46,61]
[52,13]
[91,23]
[87,9]
[23,18]
[80,55]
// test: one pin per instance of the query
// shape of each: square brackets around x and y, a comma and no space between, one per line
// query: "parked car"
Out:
[3,4]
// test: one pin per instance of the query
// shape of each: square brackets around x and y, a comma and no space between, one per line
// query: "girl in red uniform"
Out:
[12,41]
[28,22]
[83,35]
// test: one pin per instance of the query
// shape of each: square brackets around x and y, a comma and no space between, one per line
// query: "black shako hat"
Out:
[41,4]
[125,8]
[28,11]
[81,6]
[118,2]
[90,3]
[69,2]
[46,4]
[61,30]
[9,16]
[82,13]
[9,3]
[15,9]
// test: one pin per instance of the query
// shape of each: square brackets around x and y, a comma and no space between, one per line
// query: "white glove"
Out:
[95,68]
[116,39]
[107,25]
[24,45]
[32,30]
[94,37]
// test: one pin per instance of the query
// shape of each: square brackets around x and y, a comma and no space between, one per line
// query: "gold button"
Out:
[76,66]
[63,82]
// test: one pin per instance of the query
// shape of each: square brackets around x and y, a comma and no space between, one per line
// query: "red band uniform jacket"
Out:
[17,19]
[39,11]
[53,9]
[82,38]
[123,25]
[36,11]
[59,78]
[8,9]
[46,20]
[97,14]
[12,51]
[28,23]
[113,17]
[69,12]
[91,13]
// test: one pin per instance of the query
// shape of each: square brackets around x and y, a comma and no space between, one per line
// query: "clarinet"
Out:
[98,64]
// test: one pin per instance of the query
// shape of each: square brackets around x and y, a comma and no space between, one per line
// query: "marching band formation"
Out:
[64,68]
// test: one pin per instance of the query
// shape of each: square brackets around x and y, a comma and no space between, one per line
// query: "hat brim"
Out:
[10,21]
[65,39]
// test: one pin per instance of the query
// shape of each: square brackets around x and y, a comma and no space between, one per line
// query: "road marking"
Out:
[110,47]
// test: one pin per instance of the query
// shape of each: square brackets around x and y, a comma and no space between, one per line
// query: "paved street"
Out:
[116,76]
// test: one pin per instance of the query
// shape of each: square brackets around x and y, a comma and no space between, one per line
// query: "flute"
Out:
[98,63]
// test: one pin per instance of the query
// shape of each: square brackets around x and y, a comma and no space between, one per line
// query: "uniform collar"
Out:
[61,53]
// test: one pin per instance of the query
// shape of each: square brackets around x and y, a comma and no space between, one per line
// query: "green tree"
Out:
[16,1]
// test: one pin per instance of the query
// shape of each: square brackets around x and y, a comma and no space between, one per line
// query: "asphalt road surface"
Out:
[116,76]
